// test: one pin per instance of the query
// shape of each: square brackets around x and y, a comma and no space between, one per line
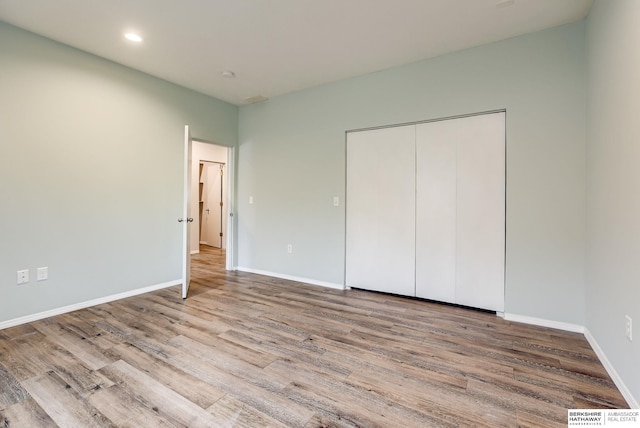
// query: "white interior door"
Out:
[216,198]
[186,219]
[212,205]
[380,241]
[436,210]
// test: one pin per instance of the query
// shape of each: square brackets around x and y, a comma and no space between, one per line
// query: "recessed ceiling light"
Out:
[228,74]
[133,37]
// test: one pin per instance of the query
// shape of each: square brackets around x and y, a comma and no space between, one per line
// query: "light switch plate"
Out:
[42,273]
[336,201]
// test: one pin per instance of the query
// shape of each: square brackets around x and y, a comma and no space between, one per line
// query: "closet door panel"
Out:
[380,242]
[481,212]
[436,210]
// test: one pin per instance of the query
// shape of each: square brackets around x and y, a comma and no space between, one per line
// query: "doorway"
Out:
[211,201]
[194,152]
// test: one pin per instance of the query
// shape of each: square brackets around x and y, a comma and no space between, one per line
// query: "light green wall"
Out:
[91,173]
[613,183]
[292,161]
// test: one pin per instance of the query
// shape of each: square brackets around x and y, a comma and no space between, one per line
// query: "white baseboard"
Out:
[544,323]
[291,277]
[88,303]
[631,401]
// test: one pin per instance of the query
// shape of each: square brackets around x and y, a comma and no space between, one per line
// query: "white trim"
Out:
[544,323]
[88,303]
[631,401]
[230,244]
[291,278]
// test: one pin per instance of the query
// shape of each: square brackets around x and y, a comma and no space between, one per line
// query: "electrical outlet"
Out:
[42,273]
[628,327]
[289,248]
[23,276]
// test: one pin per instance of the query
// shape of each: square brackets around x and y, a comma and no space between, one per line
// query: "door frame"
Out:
[230,262]
[231,209]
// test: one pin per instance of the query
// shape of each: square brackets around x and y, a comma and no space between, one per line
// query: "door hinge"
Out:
[221,203]
[220,233]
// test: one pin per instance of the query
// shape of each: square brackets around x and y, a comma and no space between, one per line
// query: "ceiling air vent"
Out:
[256,99]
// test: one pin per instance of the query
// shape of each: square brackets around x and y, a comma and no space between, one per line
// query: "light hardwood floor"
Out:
[251,351]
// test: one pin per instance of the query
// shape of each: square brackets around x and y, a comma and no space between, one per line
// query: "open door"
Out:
[211,230]
[186,215]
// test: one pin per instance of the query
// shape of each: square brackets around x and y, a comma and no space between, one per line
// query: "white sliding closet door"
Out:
[436,208]
[460,211]
[380,253]
[480,242]
[426,210]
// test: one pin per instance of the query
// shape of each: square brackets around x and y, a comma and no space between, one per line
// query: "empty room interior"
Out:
[318,213]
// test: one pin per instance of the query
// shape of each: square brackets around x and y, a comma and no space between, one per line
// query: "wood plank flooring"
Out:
[251,351]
